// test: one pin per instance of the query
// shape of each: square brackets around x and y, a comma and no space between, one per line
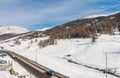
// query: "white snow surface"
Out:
[44,29]
[100,15]
[12,29]
[81,51]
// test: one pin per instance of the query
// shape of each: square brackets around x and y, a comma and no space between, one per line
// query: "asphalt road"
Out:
[38,70]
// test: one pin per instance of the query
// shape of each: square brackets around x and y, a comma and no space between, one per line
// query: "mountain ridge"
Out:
[7,32]
[86,27]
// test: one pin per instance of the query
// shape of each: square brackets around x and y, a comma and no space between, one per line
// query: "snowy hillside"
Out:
[12,29]
[81,51]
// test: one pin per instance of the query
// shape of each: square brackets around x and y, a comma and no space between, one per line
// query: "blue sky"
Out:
[36,14]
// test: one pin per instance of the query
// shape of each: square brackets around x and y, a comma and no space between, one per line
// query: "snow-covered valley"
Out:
[79,50]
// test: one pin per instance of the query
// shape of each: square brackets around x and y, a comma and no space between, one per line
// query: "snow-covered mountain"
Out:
[101,15]
[12,30]
[77,57]
[83,28]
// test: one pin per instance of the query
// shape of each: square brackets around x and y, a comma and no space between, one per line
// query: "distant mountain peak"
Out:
[101,15]
[12,29]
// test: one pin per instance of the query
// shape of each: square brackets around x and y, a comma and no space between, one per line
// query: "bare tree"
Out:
[17,41]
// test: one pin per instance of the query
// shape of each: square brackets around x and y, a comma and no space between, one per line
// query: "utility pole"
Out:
[36,55]
[106,65]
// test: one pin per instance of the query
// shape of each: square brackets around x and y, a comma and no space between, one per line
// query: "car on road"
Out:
[51,73]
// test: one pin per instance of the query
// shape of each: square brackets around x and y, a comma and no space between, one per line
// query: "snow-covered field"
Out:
[78,50]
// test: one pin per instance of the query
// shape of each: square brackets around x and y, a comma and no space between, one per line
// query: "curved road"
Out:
[39,70]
